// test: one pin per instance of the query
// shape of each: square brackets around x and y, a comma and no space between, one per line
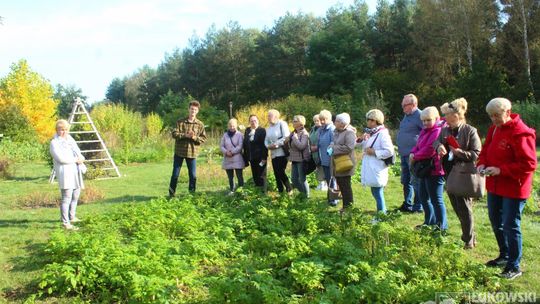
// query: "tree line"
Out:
[437,49]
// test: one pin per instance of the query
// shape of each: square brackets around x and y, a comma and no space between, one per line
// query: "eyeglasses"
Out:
[407,104]
[370,119]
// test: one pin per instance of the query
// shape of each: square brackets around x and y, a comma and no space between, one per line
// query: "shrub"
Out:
[530,113]
[23,151]
[6,167]
[40,199]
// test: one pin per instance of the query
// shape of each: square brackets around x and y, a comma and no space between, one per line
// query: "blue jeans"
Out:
[299,178]
[431,195]
[410,186]
[192,172]
[505,217]
[378,194]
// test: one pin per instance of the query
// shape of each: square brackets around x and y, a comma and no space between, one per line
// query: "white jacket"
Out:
[276,134]
[374,171]
[65,153]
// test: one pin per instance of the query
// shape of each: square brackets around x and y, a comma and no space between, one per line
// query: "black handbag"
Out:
[286,146]
[389,161]
[422,168]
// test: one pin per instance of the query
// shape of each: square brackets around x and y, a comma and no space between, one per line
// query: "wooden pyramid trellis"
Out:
[90,142]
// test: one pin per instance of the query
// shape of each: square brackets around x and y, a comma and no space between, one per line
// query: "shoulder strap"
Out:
[373,142]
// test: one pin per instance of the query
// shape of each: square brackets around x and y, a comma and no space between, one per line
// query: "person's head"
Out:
[409,103]
[499,110]
[374,118]
[316,120]
[253,121]
[342,121]
[325,117]
[232,124]
[194,107]
[62,127]
[273,116]
[454,112]
[429,117]
[298,121]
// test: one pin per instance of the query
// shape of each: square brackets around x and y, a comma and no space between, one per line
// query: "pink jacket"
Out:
[233,144]
[424,147]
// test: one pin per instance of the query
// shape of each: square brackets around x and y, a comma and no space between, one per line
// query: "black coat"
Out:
[255,150]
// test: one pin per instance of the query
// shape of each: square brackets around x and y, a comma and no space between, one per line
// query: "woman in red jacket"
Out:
[508,159]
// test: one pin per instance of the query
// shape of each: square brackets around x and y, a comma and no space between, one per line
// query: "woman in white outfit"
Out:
[377,145]
[69,167]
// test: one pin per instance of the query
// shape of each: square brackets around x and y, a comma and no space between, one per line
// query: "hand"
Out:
[369,151]
[441,150]
[190,134]
[229,153]
[365,136]
[411,158]
[456,150]
[480,169]
[314,149]
[491,171]
[79,160]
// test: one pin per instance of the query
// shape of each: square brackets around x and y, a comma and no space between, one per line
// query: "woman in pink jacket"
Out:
[233,161]
[431,186]
[508,159]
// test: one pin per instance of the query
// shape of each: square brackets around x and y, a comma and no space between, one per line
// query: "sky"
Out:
[88,43]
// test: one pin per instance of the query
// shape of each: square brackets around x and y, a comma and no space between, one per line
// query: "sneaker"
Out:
[511,274]
[333,203]
[421,227]
[70,227]
[374,221]
[75,220]
[323,186]
[498,262]
[405,209]
[231,193]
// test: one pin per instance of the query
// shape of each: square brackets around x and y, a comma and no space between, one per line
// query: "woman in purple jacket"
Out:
[430,187]
[233,161]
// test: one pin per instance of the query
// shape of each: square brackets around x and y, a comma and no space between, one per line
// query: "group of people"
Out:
[430,148]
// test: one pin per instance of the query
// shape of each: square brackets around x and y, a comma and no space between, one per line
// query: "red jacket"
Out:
[512,149]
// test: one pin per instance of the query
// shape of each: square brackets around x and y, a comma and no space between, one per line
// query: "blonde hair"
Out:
[326,115]
[458,106]
[233,121]
[498,105]
[301,119]
[376,115]
[430,112]
[315,117]
[62,123]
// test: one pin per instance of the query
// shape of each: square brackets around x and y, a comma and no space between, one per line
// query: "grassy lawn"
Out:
[24,230]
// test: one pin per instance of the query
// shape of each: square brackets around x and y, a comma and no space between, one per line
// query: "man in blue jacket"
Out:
[409,128]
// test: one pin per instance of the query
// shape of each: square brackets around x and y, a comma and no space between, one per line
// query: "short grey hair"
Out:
[344,118]
[63,123]
[300,118]
[430,112]
[412,98]
[498,105]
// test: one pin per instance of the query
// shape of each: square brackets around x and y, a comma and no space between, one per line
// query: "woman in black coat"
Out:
[255,152]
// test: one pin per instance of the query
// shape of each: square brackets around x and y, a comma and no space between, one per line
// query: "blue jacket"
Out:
[326,136]
[409,129]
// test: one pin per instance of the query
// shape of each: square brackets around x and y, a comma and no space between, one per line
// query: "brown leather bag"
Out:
[465,181]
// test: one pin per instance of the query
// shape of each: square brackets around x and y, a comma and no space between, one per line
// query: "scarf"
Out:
[373,130]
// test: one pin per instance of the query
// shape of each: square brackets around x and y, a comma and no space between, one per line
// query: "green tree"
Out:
[338,55]
[116,91]
[66,96]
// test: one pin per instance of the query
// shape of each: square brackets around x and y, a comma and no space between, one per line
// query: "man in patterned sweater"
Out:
[189,135]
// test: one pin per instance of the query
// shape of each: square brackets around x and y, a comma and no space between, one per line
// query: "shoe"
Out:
[323,186]
[417,211]
[498,262]
[421,227]
[70,227]
[231,193]
[374,221]
[468,246]
[511,274]
[405,209]
[332,203]
[75,220]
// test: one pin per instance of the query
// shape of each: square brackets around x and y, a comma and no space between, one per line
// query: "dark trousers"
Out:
[505,217]
[239,176]
[410,186]
[192,172]
[463,206]
[279,164]
[344,184]
[258,172]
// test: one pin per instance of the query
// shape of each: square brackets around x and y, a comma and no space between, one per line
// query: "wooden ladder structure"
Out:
[77,111]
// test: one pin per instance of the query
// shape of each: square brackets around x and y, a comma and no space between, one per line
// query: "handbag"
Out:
[465,181]
[389,160]
[333,193]
[308,165]
[343,163]
[422,168]
[286,146]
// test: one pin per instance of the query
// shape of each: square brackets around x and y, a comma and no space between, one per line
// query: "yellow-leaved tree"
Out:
[32,95]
